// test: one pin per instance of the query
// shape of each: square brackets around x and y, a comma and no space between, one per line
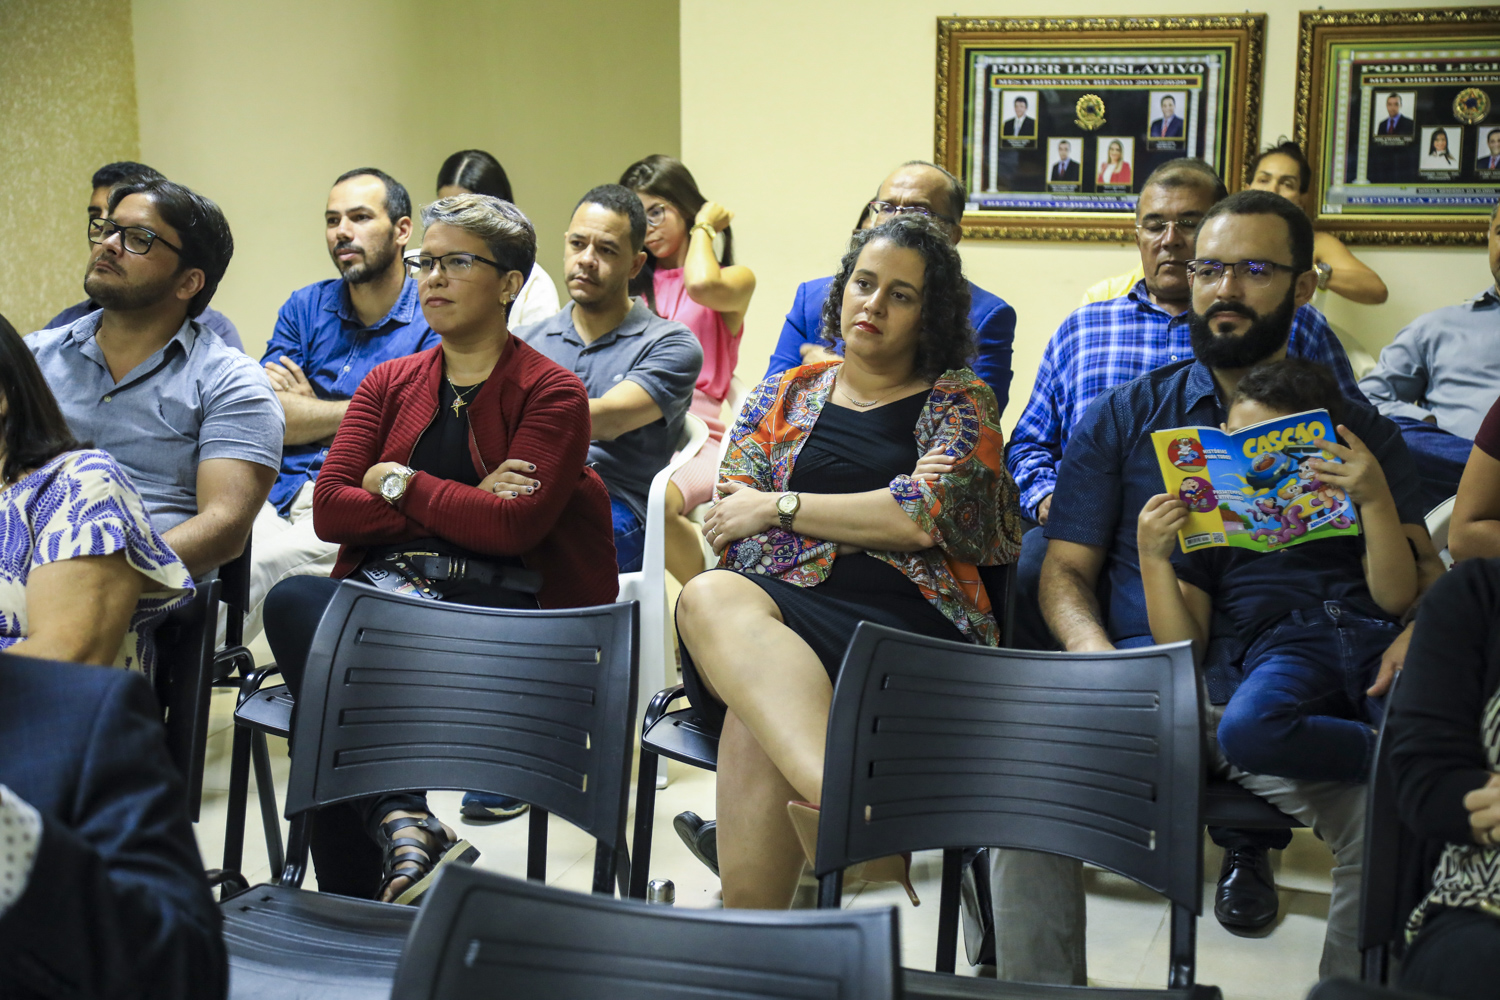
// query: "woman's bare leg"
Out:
[771,750]
[684,545]
[762,670]
[760,858]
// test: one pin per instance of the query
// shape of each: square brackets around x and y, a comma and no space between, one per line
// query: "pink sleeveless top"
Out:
[721,351]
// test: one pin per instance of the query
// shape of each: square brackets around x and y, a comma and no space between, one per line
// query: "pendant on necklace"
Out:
[458,404]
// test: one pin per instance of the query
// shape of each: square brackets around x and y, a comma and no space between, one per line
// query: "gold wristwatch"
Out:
[787,506]
[393,484]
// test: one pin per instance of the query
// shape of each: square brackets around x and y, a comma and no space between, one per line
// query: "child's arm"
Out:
[1175,609]
[1390,566]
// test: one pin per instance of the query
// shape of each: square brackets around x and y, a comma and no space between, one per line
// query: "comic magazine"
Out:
[1253,489]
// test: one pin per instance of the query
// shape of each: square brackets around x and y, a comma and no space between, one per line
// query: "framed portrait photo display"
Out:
[1397,110]
[1053,123]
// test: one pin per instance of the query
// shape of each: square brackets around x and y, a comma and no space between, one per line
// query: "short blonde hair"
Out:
[506,231]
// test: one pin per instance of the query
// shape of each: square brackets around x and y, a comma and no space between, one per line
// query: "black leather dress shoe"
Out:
[701,837]
[1246,900]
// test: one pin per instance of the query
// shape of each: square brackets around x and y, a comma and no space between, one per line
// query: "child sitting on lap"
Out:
[1317,616]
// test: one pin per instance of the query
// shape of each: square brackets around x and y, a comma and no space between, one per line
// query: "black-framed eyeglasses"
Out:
[1255,272]
[879,208]
[655,215]
[135,239]
[454,265]
[1159,227]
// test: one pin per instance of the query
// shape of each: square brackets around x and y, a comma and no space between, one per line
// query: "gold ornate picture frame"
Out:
[1053,123]
[1397,110]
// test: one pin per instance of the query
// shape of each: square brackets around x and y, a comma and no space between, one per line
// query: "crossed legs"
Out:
[771,751]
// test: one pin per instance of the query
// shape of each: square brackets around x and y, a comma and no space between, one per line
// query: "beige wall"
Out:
[792,113]
[67,107]
[261,105]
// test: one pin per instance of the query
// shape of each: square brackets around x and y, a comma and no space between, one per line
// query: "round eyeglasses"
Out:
[135,239]
[454,265]
[655,215]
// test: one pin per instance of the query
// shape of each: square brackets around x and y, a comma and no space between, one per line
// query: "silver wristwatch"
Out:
[393,484]
[1325,273]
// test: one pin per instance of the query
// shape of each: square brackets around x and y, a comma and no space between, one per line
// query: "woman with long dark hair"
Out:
[686,281]
[473,171]
[861,489]
[83,575]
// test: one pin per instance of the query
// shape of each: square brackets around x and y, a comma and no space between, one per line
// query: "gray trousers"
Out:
[1039,901]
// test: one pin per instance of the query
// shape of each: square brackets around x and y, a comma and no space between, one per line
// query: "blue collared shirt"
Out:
[1110,470]
[195,399]
[210,318]
[318,329]
[1445,364]
[1101,345]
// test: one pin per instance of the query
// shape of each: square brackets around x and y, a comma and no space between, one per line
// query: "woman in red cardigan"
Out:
[475,448]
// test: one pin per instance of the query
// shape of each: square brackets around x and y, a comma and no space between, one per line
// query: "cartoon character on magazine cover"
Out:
[1187,454]
[1197,494]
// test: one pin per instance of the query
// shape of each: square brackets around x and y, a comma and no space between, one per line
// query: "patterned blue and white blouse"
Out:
[83,504]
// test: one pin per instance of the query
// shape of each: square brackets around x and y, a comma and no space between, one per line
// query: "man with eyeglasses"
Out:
[919,188]
[1252,271]
[193,421]
[328,337]
[105,178]
[1105,344]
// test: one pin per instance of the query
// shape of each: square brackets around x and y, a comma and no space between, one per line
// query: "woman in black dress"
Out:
[866,489]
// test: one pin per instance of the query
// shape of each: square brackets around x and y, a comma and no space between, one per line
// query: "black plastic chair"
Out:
[1099,757]
[687,736]
[1387,842]
[479,929]
[401,693]
[183,680]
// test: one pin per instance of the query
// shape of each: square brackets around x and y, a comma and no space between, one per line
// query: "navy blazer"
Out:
[117,904]
[993,320]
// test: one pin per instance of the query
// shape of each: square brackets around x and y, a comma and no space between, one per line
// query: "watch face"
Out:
[787,504]
[390,486]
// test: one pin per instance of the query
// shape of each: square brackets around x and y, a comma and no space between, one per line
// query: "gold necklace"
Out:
[460,402]
[864,405]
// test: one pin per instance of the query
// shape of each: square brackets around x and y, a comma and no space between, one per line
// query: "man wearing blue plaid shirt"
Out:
[1105,344]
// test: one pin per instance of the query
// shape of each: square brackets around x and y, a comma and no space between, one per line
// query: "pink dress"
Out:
[721,351]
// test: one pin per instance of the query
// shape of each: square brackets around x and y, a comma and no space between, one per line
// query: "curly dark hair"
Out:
[947,338]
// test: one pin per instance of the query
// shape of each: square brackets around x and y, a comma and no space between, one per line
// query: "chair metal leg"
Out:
[605,861]
[645,818]
[1184,947]
[536,846]
[265,789]
[239,794]
[831,890]
[622,871]
[947,938]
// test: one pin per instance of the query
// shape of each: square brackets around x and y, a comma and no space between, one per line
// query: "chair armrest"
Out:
[658,706]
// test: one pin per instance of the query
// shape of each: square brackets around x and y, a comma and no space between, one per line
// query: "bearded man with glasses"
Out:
[915,188]
[328,337]
[1106,344]
[193,421]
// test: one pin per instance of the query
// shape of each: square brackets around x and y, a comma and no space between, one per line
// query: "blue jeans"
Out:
[1440,458]
[1302,711]
[630,536]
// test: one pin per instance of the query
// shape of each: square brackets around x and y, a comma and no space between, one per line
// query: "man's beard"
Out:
[1264,337]
[124,297]
[373,265]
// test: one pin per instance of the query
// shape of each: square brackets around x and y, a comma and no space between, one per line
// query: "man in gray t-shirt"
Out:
[194,422]
[639,369]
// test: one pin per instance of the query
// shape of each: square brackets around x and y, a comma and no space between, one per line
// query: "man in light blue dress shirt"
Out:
[193,421]
[1438,379]
[105,178]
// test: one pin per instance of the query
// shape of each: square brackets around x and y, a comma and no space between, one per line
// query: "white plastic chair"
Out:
[1437,526]
[649,585]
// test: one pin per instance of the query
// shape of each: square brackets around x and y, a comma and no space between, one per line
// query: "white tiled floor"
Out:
[1127,925]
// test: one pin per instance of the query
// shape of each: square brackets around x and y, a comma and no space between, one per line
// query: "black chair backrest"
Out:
[235,576]
[937,744]
[477,929]
[183,679]
[401,693]
[1000,584]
